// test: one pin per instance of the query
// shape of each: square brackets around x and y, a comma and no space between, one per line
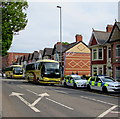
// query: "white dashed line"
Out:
[97,100]
[60,104]
[61,91]
[31,91]
[116,112]
[20,86]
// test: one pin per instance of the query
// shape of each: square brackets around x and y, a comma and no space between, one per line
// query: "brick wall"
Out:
[77,63]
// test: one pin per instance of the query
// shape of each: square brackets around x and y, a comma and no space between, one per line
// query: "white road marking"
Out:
[51,100]
[36,101]
[116,112]
[60,104]
[31,91]
[61,91]
[107,111]
[41,96]
[97,100]
[20,86]
[25,101]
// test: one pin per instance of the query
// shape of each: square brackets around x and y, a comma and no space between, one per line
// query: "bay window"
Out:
[97,54]
[118,73]
[118,50]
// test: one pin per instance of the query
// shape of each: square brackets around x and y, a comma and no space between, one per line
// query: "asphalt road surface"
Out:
[23,99]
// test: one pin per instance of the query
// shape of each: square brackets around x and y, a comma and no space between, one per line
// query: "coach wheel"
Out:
[11,76]
[52,84]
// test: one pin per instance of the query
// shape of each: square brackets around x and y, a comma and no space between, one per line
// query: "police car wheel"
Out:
[88,87]
[65,84]
[104,89]
[28,79]
[75,86]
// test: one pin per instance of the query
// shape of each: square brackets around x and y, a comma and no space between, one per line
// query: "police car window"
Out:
[92,79]
[77,78]
[107,80]
[97,79]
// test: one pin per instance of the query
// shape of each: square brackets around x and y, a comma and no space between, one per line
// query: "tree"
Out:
[65,43]
[14,19]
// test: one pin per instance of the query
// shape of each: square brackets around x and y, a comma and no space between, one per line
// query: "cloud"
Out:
[42,29]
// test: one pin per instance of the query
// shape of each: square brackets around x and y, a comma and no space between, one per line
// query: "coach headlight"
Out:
[57,73]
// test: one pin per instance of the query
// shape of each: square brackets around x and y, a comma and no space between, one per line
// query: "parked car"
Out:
[103,83]
[75,81]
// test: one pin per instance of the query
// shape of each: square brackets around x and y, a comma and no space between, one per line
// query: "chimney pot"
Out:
[109,28]
[78,37]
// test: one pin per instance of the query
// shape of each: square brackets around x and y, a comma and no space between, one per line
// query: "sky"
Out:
[42,30]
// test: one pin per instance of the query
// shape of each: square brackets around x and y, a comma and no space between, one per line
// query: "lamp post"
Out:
[60,39]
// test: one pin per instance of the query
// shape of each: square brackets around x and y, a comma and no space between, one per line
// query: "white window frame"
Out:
[109,49]
[97,66]
[116,72]
[93,53]
[97,50]
[116,50]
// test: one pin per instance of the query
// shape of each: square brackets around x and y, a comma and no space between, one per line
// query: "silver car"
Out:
[75,81]
[103,83]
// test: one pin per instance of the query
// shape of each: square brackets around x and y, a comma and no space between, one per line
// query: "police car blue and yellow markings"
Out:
[94,83]
[68,80]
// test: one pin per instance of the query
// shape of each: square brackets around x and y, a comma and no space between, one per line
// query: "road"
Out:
[23,99]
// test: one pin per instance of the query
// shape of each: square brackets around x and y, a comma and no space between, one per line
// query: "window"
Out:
[99,70]
[100,53]
[95,71]
[94,54]
[16,56]
[118,50]
[97,54]
[93,79]
[109,52]
[118,72]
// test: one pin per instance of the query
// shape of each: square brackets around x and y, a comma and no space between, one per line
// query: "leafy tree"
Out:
[65,43]
[14,19]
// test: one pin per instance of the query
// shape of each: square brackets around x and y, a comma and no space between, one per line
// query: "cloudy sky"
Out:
[42,30]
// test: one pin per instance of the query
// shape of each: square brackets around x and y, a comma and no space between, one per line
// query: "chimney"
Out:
[78,37]
[58,43]
[109,28]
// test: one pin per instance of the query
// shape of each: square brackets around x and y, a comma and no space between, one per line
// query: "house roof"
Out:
[114,32]
[66,47]
[118,24]
[35,55]
[101,36]
[47,51]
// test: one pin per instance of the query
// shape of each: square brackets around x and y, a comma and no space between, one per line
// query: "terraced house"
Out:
[76,57]
[114,41]
[105,51]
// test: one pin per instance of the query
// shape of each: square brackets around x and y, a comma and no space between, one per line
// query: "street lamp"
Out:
[60,39]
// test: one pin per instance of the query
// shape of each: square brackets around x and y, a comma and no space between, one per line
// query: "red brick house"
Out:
[114,41]
[99,49]
[105,51]
[11,58]
[76,57]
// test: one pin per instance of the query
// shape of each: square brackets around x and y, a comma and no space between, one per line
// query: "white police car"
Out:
[75,81]
[103,83]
